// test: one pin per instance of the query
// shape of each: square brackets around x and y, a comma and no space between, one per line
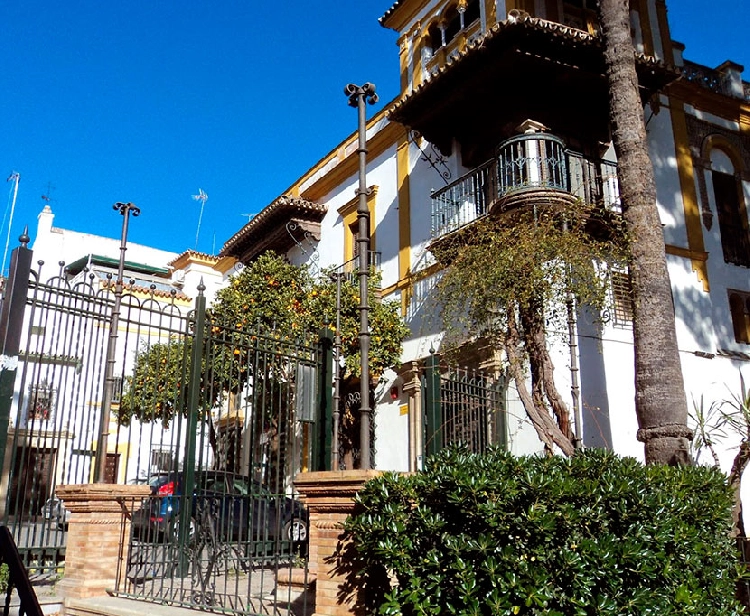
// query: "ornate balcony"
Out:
[528,169]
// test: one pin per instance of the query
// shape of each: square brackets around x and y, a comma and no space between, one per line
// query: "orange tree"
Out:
[284,302]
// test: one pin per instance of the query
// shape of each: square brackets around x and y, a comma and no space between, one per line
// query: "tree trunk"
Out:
[546,428]
[542,368]
[661,405]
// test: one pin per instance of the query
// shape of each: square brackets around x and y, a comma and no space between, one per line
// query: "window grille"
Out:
[621,298]
[42,399]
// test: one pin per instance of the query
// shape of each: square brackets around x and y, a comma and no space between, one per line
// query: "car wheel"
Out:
[295,530]
[191,529]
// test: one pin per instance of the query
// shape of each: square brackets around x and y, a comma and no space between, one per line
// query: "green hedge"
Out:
[495,534]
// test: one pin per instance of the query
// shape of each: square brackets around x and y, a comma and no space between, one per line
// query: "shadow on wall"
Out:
[597,428]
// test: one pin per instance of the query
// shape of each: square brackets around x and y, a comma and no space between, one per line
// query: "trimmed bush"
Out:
[590,535]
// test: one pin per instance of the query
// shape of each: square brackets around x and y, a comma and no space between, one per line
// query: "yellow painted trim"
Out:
[194,257]
[666,38]
[348,215]
[726,107]
[403,171]
[403,59]
[347,165]
[404,14]
[685,170]
[719,142]
[418,43]
[686,253]
[646,32]
[225,264]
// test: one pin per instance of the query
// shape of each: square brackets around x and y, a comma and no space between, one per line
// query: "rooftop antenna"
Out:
[249,217]
[13,177]
[47,197]
[202,197]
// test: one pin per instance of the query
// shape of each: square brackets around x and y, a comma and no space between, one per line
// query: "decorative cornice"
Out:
[556,30]
[193,256]
[282,209]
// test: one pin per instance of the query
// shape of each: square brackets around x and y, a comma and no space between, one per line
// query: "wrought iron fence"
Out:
[527,162]
[56,414]
[462,406]
[221,528]
[204,412]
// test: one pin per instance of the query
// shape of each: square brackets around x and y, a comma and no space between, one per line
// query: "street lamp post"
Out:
[126,209]
[358,96]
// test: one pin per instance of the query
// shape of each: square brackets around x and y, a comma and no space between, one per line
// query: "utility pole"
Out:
[358,96]
[126,209]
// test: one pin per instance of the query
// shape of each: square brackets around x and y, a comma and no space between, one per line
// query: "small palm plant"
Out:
[722,419]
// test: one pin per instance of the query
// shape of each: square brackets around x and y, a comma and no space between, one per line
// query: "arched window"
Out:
[436,37]
[452,24]
[730,210]
[472,13]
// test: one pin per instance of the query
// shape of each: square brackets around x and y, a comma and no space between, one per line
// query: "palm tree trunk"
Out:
[661,405]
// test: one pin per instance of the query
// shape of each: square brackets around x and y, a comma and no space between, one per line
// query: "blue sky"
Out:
[139,101]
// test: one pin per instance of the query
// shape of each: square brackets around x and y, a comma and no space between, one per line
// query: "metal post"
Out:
[126,209]
[575,388]
[193,403]
[322,449]
[11,325]
[337,374]
[358,96]
[433,412]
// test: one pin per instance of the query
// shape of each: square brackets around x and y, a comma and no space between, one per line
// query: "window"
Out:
[452,23]
[472,13]
[117,390]
[161,460]
[348,215]
[42,398]
[732,217]
[739,307]
[580,14]
[622,300]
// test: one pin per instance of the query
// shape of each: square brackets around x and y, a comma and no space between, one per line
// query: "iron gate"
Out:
[216,418]
[462,406]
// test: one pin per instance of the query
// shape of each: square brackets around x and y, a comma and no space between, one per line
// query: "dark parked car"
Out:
[235,507]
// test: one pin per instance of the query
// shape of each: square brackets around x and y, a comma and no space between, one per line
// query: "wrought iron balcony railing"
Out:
[525,163]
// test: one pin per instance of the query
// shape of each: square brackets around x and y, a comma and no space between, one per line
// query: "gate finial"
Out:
[24,238]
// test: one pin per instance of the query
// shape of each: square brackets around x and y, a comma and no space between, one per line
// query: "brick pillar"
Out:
[98,536]
[329,497]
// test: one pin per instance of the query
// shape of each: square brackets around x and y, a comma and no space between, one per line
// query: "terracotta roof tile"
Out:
[279,205]
[529,23]
[390,11]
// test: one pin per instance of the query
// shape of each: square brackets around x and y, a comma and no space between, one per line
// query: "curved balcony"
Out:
[526,169]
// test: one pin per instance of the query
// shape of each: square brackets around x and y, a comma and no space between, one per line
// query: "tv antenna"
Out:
[12,196]
[47,196]
[202,197]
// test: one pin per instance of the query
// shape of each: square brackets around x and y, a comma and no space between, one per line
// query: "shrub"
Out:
[593,534]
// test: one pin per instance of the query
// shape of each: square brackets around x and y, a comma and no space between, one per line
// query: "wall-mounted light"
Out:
[395,394]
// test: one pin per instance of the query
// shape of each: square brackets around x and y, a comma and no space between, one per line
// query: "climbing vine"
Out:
[509,281]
